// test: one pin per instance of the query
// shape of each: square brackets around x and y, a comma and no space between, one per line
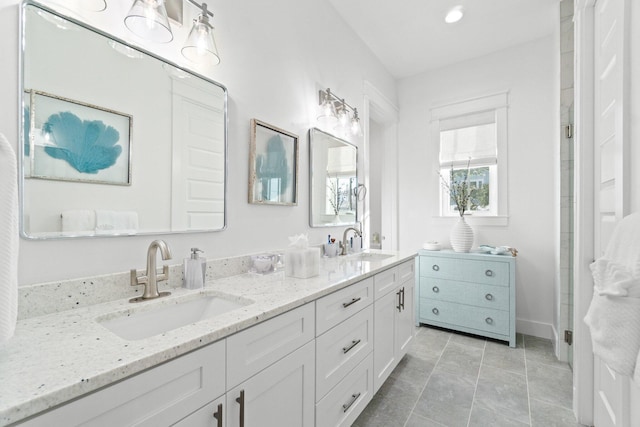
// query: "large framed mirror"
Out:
[333,177]
[117,141]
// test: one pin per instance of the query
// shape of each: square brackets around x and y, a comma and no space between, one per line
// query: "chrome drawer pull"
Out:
[240,400]
[489,297]
[435,311]
[435,289]
[353,301]
[488,273]
[399,306]
[348,348]
[436,267]
[346,406]
[489,320]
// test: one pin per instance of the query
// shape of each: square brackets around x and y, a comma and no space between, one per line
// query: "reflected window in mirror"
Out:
[117,141]
[333,180]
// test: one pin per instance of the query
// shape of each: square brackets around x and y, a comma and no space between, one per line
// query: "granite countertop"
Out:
[60,356]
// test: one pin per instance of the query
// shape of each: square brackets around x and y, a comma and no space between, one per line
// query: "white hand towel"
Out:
[123,221]
[9,239]
[78,220]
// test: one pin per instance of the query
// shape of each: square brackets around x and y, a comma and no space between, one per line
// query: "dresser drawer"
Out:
[252,350]
[474,271]
[336,307]
[496,297]
[341,348]
[346,401]
[479,318]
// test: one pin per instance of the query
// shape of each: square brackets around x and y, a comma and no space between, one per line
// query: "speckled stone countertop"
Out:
[56,357]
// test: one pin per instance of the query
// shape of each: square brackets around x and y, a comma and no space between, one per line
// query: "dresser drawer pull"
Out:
[346,406]
[488,273]
[436,267]
[489,320]
[353,301]
[435,311]
[489,297]
[240,400]
[348,348]
[399,306]
[435,289]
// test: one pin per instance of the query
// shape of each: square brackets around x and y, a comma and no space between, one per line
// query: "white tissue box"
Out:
[302,263]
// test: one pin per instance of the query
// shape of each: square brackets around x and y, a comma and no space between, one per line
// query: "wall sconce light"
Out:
[334,110]
[200,45]
[148,19]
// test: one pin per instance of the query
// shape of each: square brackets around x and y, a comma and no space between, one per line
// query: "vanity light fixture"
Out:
[454,14]
[334,110]
[148,19]
[200,45]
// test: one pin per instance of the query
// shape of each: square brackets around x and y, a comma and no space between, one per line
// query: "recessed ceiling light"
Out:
[454,15]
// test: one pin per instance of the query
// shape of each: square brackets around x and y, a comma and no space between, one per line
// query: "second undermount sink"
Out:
[369,256]
[167,315]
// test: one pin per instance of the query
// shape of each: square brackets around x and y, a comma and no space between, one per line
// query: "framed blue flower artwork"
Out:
[73,141]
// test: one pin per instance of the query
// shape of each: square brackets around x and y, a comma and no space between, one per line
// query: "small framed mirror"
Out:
[333,177]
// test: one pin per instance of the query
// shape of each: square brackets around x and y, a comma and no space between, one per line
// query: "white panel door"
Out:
[197,193]
[611,174]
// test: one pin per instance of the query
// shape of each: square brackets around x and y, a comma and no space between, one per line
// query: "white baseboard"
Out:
[536,329]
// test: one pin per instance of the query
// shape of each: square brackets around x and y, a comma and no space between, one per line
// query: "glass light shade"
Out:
[328,114]
[343,115]
[454,15]
[200,45]
[356,129]
[148,19]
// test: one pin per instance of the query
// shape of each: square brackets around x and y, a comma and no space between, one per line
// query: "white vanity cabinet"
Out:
[160,396]
[270,372]
[394,318]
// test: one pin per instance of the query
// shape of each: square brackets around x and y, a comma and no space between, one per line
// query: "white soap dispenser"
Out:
[194,270]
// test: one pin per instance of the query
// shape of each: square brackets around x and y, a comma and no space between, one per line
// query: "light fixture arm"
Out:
[331,97]
[203,7]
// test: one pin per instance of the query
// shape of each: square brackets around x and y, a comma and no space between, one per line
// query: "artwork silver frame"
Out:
[273,165]
[106,161]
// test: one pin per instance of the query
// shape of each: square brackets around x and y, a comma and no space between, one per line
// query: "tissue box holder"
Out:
[302,263]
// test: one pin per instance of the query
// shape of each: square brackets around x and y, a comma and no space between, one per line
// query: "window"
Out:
[472,135]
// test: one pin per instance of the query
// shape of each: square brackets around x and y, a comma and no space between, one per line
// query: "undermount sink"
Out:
[369,256]
[167,315]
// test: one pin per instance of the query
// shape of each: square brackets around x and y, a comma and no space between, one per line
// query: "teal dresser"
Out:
[468,292]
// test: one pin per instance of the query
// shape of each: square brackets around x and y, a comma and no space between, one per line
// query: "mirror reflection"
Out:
[334,180]
[116,141]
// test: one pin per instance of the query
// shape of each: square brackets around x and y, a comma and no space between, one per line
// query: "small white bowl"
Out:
[432,246]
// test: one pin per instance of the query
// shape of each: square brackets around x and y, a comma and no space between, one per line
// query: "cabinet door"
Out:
[282,395]
[384,337]
[405,324]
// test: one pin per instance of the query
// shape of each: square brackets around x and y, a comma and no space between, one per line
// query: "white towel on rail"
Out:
[9,239]
[78,220]
[108,222]
[614,314]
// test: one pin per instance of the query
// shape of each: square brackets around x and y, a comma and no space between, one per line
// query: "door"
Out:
[384,337]
[197,187]
[611,177]
[406,320]
[282,395]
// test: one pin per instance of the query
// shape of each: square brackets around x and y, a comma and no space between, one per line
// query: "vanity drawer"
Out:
[496,297]
[341,348]
[474,271]
[407,271]
[443,313]
[158,396]
[252,350]
[346,401]
[338,306]
[386,281]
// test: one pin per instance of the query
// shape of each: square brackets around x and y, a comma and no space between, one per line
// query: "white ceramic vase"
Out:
[461,236]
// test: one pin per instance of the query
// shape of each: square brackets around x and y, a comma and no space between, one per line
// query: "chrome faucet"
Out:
[151,277]
[344,238]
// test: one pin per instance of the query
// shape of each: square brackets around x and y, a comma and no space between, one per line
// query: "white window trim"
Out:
[499,102]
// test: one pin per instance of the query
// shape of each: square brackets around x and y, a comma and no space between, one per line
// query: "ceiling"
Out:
[410,36]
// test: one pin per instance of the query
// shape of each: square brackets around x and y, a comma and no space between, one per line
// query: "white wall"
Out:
[634,118]
[530,72]
[275,56]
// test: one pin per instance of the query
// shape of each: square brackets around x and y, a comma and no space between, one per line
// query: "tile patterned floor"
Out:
[449,379]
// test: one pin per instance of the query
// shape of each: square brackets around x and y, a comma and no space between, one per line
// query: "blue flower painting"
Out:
[87,145]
